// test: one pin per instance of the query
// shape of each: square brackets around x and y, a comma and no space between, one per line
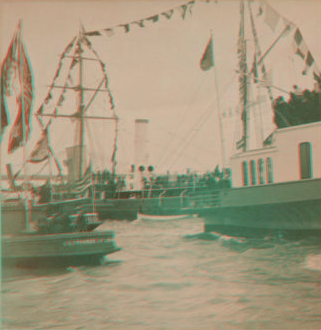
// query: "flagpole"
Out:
[1,133]
[219,113]
[81,103]
[93,187]
[23,114]
[50,176]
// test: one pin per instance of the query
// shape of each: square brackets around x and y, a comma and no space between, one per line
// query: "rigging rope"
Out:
[180,119]
[204,116]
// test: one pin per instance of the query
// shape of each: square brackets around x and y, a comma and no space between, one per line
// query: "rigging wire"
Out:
[122,142]
[90,139]
[183,138]
[180,118]
[174,135]
[201,121]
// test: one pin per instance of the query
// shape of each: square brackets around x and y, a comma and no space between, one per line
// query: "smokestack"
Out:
[73,157]
[141,142]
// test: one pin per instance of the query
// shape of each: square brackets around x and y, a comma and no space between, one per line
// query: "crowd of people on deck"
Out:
[114,184]
[149,180]
[58,221]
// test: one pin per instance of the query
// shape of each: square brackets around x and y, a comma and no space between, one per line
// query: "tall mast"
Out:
[243,78]
[258,50]
[219,111]
[81,105]
[24,133]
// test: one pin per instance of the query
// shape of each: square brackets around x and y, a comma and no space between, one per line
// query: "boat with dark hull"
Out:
[53,233]
[69,249]
[63,243]
[288,209]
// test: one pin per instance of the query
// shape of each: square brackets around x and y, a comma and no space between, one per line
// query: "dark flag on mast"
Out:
[42,150]
[207,61]
[16,67]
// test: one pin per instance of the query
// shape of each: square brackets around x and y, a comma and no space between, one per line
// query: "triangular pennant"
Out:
[190,6]
[168,14]
[260,11]
[207,61]
[298,37]
[41,151]
[154,18]
[308,63]
[70,79]
[300,53]
[317,77]
[69,47]
[40,110]
[139,23]
[254,69]
[183,10]
[289,25]
[93,33]
[126,27]
[74,63]
[109,32]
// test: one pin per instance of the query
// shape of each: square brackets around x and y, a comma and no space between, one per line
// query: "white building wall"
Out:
[287,166]
[285,154]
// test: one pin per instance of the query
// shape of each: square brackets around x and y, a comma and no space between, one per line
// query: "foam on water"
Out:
[313,262]
[174,276]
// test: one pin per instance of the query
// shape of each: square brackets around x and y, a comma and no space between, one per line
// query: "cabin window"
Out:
[305,160]
[269,169]
[245,173]
[253,173]
[261,171]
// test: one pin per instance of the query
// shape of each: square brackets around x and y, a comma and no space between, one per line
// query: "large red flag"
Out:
[16,65]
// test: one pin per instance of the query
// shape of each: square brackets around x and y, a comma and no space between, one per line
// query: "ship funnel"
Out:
[73,163]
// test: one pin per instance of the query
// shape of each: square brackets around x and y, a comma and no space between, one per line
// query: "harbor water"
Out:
[171,275]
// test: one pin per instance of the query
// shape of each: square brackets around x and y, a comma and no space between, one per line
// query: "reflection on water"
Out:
[170,275]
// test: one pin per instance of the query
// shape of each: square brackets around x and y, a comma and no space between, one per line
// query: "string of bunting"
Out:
[67,50]
[103,67]
[111,100]
[183,10]
[272,18]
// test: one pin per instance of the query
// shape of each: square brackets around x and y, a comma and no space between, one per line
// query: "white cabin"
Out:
[290,154]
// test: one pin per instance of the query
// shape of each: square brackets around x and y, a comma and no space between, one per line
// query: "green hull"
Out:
[71,249]
[288,209]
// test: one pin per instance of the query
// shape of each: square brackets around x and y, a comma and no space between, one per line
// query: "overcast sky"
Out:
[154,71]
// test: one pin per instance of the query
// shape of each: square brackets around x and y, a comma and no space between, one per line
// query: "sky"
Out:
[154,72]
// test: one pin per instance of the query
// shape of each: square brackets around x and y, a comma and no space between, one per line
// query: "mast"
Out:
[81,105]
[243,78]
[24,133]
[261,57]
[220,113]
[77,152]
[258,50]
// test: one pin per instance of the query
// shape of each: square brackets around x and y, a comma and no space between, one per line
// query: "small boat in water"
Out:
[69,249]
[48,234]
[164,217]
